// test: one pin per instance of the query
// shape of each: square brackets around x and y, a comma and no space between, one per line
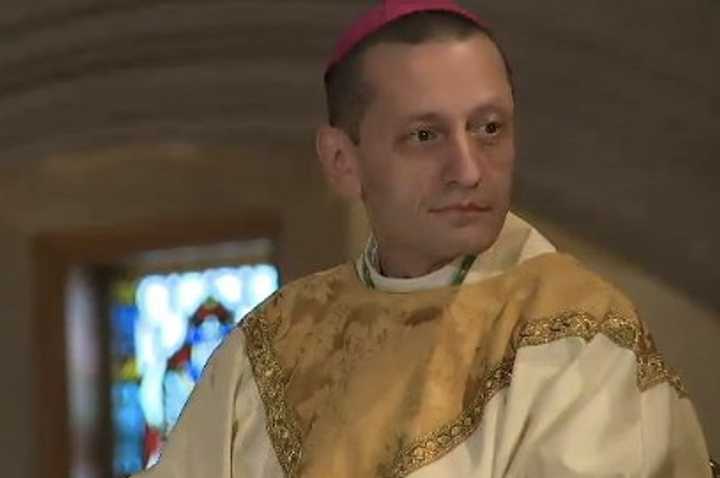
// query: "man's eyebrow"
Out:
[489,107]
[427,117]
[481,109]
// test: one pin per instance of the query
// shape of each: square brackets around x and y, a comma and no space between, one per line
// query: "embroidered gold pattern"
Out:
[625,332]
[652,371]
[271,379]
[430,447]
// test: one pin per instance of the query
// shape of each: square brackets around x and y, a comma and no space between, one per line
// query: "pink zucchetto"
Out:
[387,12]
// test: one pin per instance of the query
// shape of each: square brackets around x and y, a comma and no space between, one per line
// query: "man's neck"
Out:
[403,265]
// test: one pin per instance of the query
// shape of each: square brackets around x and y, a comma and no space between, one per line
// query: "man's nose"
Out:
[464,164]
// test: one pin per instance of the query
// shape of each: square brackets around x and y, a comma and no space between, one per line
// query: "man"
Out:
[460,344]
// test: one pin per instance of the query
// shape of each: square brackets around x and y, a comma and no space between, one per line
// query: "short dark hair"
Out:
[348,93]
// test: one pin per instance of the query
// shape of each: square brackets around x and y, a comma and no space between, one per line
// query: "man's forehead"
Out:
[428,54]
[386,13]
[436,69]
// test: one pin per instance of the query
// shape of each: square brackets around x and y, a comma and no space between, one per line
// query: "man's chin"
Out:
[474,245]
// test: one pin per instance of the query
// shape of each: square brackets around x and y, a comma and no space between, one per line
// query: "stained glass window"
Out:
[164,328]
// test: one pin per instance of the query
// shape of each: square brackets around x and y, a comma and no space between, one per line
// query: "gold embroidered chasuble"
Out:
[361,383]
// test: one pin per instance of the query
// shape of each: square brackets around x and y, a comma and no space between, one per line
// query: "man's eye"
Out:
[492,128]
[423,135]
[487,130]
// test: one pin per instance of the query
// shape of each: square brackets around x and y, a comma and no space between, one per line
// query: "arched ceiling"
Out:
[618,103]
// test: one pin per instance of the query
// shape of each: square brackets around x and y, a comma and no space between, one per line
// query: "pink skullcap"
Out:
[387,12]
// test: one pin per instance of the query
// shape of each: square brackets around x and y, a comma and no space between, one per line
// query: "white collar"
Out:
[517,242]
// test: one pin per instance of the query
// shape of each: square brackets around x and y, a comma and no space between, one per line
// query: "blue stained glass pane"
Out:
[128,416]
[123,329]
[128,457]
[178,387]
[129,424]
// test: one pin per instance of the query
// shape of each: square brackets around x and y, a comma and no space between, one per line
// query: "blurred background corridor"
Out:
[158,178]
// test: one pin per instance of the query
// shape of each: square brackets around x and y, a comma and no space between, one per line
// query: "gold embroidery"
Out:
[271,380]
[652,371]
[429,448]
[625,332]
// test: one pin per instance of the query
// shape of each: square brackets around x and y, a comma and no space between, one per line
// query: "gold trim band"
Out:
[271,379]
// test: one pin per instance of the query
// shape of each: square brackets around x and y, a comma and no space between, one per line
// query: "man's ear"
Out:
[338,157]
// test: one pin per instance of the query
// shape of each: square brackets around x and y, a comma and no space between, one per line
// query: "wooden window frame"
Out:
[53,255]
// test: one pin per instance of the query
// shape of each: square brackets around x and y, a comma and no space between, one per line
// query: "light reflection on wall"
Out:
[164,329]
[85,371]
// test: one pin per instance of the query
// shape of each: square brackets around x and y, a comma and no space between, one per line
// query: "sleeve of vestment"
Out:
[596,409]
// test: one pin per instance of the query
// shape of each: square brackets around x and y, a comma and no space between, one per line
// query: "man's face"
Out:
[436,150]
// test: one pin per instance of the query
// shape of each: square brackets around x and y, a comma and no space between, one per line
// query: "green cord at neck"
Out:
[458,278]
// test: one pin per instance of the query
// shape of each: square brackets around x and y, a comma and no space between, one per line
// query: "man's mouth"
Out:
[462,207]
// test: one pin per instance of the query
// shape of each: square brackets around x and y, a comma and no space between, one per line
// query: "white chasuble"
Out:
[534,367]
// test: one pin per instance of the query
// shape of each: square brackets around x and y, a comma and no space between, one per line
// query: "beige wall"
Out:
[144,184]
